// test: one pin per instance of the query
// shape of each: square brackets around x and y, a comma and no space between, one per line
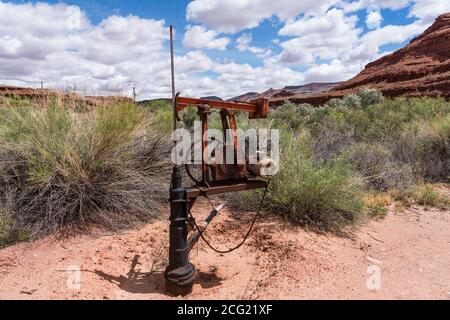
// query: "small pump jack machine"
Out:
[215,179]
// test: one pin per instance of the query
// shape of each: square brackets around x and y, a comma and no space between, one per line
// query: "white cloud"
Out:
[199,38]
[352,6]
[58,43]
[232,16]
[392,34]
[193,62]
[428,10]
[325,37]
[243,43]
[330,72]
[113,56]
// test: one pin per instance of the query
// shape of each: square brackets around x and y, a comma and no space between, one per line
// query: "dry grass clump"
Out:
[60,167]
[426,195]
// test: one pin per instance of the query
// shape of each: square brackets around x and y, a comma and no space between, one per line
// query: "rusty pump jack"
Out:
[180,274]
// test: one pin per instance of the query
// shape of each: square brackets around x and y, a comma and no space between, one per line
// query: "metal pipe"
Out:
[172,67]
[180,274]
[194,238]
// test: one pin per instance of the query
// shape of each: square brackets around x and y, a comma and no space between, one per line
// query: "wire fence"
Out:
[81,88]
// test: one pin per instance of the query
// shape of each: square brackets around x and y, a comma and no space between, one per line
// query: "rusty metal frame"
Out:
[180,274]
[258,108]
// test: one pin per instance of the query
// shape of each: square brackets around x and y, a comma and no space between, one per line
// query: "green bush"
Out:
[162,116]
[15,101]
[287,116]
[324,197]
[370,97]
[62,168]
[374,163]
[364,140]
[433,148]
[330,137]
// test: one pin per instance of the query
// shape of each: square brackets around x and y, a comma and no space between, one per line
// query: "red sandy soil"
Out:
[280,261]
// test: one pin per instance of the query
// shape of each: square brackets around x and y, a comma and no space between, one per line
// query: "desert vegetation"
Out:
[108,166]
[63,167]
[351,158]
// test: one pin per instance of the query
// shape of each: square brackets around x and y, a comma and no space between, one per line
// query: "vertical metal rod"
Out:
[180,274]
[172,66]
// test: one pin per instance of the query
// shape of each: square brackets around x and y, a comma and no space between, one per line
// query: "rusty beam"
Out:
[225,188]
[257,109]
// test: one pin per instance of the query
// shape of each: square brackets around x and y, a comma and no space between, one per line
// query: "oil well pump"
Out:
[213,179]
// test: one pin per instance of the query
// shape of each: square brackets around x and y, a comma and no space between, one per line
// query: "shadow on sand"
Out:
[139,282]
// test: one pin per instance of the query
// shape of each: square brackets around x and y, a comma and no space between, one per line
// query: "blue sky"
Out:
[222,47]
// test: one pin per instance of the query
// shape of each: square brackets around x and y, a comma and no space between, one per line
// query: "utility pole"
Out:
[42,84]
[134,94]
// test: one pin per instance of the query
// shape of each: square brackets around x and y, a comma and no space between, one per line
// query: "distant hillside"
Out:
[288,91]
[214,98]
[422,68]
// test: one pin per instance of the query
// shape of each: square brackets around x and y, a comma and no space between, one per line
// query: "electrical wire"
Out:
[248,232]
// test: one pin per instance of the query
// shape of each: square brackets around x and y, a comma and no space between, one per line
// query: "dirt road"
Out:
[404,256]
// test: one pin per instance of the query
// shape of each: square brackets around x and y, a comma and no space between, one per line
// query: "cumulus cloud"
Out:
[325,37]
[199,38]
[352,6]
[392,34]
[235,15]
[114,55]
[243,43]
[428,10]
[333,71]
[58,44]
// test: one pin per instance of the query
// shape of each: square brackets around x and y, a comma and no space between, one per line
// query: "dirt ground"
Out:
[404,256]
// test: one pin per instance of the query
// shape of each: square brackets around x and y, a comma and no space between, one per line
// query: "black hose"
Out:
[248,232]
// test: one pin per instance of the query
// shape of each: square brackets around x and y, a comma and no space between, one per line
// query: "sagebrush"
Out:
[62,168]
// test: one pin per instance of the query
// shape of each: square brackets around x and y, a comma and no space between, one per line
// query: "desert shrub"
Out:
[433,147]
[374,163]
[324,197]
[162,115]
[370,97]
[189,116]
[63,169]
[287,116]
[15,101]
[334,103]
[377,204]
[426,195]
[8,232]
[330,137]
[352,101]
[361,140]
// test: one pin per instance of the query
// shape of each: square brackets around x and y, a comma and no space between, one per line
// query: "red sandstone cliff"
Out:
[422,68]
